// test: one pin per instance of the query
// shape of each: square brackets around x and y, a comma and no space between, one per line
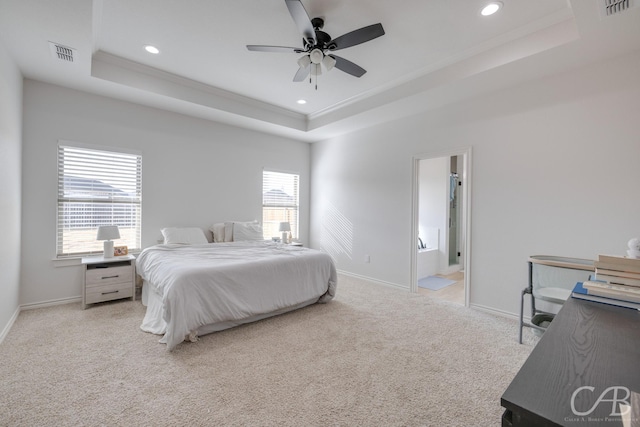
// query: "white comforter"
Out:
[227,282]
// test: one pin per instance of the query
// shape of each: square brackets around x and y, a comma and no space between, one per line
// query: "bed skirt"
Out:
[155,324]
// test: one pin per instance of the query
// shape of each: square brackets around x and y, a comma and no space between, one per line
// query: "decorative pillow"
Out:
[184,235]
[247,231]
[228,231]
[218,232]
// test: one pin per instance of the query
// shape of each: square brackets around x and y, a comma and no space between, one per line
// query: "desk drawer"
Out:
[108,292]
[111,275]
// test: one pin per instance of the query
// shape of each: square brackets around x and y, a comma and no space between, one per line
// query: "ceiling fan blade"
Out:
[302,73]
[284,49]
[348,66]
[301,18]
[356,37]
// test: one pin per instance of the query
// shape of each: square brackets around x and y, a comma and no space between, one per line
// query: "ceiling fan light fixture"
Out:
[491,8]
[316,56]
[328,62]
[304,61]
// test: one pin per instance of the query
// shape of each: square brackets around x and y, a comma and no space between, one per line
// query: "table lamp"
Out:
[285,227]
[108,233]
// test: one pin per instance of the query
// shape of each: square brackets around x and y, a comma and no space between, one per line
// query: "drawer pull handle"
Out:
[112,292]
[110,277]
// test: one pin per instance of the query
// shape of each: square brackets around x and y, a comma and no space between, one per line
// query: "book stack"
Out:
[618,270]
[617,282]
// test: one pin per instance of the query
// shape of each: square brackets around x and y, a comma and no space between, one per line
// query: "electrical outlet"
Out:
[367,259]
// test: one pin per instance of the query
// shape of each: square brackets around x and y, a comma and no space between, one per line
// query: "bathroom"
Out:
[440,224]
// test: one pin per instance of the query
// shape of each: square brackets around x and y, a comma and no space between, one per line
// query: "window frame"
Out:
[295,224]
[131,204]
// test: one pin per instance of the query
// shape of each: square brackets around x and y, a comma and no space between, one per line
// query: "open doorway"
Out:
[440,264]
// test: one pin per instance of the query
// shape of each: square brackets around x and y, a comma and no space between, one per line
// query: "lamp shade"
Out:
[304,61]
[316,56]
[285,226]
[328,62]
[108,232]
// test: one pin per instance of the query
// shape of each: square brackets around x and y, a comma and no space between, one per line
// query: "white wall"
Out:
[195,172]
[11,179]
[555,171]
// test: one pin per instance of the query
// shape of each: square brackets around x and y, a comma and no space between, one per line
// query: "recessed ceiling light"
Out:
[152,49]
[301,101]
[491,8]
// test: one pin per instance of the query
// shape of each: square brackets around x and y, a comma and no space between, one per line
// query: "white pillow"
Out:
[247,231]
[218,232]
[228,231]
[184,235]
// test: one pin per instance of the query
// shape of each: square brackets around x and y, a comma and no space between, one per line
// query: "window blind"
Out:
[97,187]
[280,199]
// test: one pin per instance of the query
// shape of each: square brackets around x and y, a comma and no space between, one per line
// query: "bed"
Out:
[196,289]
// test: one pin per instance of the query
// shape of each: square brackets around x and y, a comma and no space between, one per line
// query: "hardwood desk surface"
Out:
[587,344]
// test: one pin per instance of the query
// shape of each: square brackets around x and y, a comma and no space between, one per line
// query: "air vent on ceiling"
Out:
[615,7]
[63,53]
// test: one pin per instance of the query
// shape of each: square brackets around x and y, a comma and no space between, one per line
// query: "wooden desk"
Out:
[587,344]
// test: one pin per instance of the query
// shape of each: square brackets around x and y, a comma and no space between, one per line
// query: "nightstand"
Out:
[107,279]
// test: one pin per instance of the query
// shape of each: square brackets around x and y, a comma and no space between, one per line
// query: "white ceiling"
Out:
[433,52]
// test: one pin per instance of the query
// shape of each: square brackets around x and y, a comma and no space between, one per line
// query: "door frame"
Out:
[466,153]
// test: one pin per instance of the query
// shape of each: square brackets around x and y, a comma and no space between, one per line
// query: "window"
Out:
[97,187]
[279,202]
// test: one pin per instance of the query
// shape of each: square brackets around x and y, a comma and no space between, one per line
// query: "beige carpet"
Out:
[374,356]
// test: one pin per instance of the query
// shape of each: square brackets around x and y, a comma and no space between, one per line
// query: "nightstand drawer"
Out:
[111,275]
[109,292]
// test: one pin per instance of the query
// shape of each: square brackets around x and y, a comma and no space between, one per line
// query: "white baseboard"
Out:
[33,306]
[491,310]
[376,281]
[7,328]
[50,303]
[478,307]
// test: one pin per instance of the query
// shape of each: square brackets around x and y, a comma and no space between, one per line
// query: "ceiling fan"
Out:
[318,44]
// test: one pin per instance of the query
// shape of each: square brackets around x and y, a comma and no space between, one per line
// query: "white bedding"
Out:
[203,288]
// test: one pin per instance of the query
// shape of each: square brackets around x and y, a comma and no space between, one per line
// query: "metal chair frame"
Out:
[560,262]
